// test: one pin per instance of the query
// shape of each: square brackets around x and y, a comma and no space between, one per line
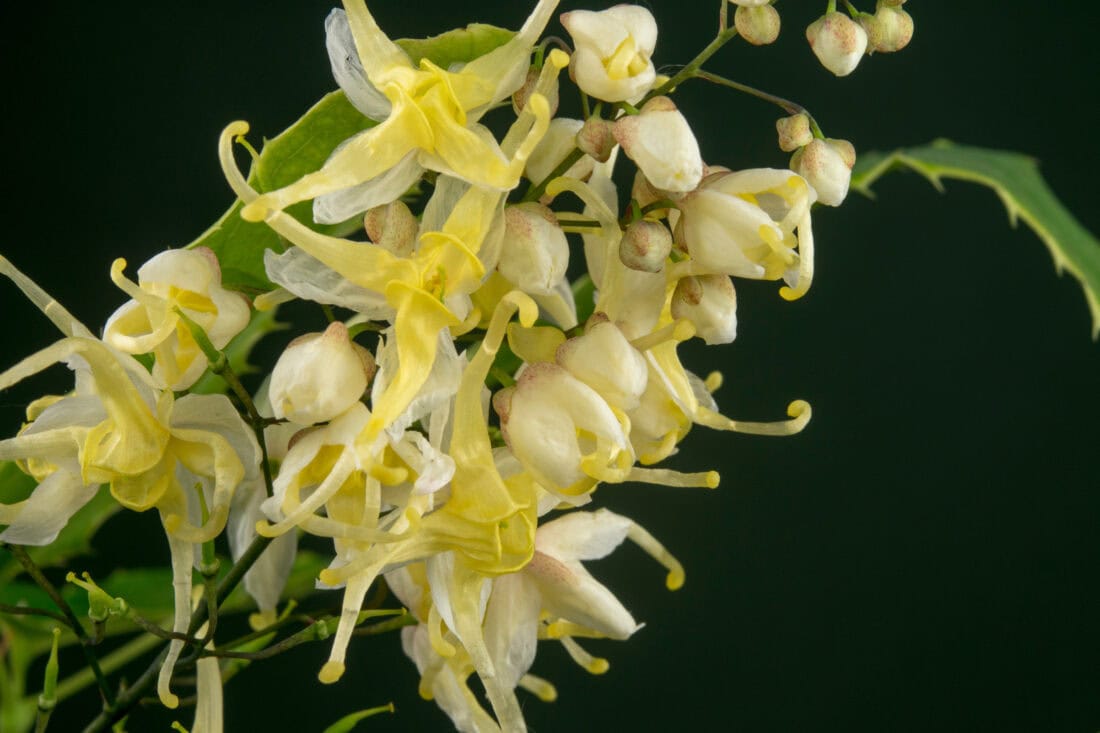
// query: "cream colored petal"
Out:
[39,519]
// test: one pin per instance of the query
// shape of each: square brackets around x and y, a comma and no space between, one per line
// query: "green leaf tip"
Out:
[1016,180]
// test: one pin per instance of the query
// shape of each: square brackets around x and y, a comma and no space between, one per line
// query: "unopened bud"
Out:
[759,24]
[392,227]
[596,139]
[661,142]
[827,166]
[645,245]
[709,303]
[535,254]
[794,132]
[889,29]
[603,359]
[838,42]
[319,376]
[750,3]
[521,95]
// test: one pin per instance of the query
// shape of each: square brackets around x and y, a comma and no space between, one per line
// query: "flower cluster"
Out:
[456,455]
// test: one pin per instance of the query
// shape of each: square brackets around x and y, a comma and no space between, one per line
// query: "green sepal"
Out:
[1016,180]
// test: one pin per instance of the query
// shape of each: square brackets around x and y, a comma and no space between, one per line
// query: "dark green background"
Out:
[924,557]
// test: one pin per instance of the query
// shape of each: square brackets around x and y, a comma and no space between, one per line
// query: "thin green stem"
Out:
[787,105]
[70,618]
[723,16]
[29,611]
[120,657]
[694,65]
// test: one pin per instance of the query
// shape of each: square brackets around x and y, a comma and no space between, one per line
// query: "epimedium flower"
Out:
[613,49]
[427,119]
[553,597]
[187,279]
[659,139]
[752,223]
[184,457]
[319,375]
[422,290]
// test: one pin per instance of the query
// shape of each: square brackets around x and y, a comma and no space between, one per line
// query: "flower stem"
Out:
[788,106]
[694,65]
[70,618]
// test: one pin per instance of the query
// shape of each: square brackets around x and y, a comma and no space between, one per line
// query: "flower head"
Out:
[613,49]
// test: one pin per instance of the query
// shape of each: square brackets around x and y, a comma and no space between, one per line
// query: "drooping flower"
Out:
[427,119]
[754,224]
[183,457]
[188,279]
[613,49]
[661,142]
[838,42]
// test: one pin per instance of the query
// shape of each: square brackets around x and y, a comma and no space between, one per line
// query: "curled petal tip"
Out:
[331,672]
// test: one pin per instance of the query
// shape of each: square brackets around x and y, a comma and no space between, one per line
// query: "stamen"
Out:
[799,412]
[643,539]
[593,665]
[539,687]
[668,477]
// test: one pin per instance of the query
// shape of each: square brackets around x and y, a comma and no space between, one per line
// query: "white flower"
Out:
[744,224]
[710,303]
[838,42]
[188,279]
[563,432]
[827,166]
[661,142]
[319,376]
[535,254]
[613,49]
[603,359]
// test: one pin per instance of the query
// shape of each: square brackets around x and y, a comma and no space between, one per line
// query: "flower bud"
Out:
[757,24]
[889,29]
[661,142]
[794,132]
[613,48]
[645,246]
[827,166]
[709,302]
[392,227]
[838,42]
[535,252]
[319,376]
[603,359]
[559,141]
[750,3]
[596,138]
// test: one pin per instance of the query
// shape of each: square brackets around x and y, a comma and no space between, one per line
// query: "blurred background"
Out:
[924,556]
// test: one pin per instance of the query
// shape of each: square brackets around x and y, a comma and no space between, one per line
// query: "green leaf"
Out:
[14,484]
[346,723]
[456,46]
[1015,178]
[301,148]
